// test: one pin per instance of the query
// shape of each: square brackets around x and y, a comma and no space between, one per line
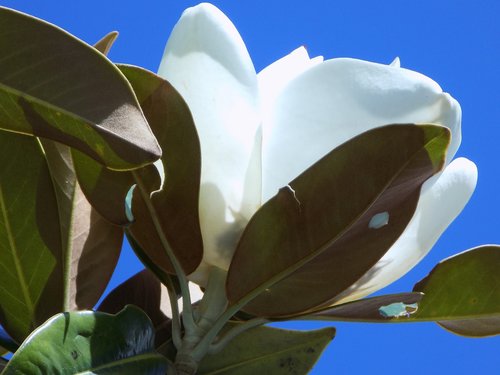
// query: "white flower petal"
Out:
[338,99]
[207,62]
[195,292]
[276,76]
[439,204]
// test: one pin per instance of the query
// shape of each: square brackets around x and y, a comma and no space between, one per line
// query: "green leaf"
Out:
[176,198]
[89,342]
[55,86]
[91,245]
[322,232]
[59,249]
[104,45]
[266,350]
[462,293]
[30,237]
[143,290]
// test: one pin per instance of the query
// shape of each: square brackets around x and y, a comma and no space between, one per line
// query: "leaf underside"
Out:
[55,86]
[315,238]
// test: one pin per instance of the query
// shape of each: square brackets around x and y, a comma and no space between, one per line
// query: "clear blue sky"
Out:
[455,42]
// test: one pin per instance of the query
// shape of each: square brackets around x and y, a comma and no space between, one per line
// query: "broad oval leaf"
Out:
[55,86]
[30,238]
[89,342]
[462,293]
[176,198]
[315,238]
[266,350]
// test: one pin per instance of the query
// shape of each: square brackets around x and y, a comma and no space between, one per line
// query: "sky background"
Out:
[455,42]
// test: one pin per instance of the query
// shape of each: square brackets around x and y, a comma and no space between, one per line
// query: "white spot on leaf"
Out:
[379,220]
[398,309]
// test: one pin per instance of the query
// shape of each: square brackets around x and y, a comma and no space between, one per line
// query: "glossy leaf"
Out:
[143,290]
[30,237]
[55,86]
[91,245]
[320,233]
[90,343]
[464,289]
[175,199]
[104,45]
[266,350]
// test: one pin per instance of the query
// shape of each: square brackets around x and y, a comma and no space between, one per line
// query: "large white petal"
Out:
[338,99]
[276,76]
[440,203]
[207,62]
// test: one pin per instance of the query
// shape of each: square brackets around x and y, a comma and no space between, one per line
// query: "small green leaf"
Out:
[266,350]
[462,293]
[55,86]
[89,342]
[331,224]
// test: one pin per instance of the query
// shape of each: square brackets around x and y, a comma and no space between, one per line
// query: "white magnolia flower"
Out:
[251,127]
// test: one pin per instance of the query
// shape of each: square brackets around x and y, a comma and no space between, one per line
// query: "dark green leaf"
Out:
[55,86]
[176,200]
[266,350]
[143,290]
[464,289]
[322,232]
[30,239]
[105,44]
[60,250]
[90,343]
